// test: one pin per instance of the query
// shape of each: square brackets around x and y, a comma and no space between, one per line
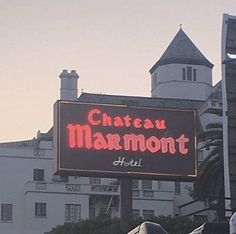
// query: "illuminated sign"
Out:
[112,141]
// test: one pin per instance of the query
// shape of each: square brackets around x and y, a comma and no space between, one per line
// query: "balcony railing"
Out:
[152,194]
[148,194]
[40,186]
[135,193]
[105,189]
[33,186]
[71,188]
[113,190]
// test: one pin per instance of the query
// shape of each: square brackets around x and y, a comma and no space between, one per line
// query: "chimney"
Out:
[69,89]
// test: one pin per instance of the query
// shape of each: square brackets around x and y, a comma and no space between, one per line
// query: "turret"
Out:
[182,72]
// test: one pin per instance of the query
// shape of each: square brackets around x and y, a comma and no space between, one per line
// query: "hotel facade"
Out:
[33,200]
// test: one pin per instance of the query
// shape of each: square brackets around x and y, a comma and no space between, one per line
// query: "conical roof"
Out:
[182,51]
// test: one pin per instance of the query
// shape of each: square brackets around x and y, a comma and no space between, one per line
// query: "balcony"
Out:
[91,189]
[58,187]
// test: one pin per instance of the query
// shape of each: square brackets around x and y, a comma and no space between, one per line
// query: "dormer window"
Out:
[189,74]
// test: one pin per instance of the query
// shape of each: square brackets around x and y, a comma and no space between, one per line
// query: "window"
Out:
[94,180]
[189,73]
[148,214]
[72,212]
[177,187]
[147,184]
[135,184]
[159,184]
[38,174]
[40,209]
[194,74]
[6,212]
[184,74]
[135,213]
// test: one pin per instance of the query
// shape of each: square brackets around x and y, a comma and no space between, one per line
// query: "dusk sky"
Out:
[111,43]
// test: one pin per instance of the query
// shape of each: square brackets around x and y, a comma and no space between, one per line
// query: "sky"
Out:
[112,44]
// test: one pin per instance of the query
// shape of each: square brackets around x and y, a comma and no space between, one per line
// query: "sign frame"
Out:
[58,143]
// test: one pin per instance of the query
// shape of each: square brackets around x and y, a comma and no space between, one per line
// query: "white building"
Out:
[33,200]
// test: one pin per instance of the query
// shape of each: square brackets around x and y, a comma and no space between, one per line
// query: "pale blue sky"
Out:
[111,43]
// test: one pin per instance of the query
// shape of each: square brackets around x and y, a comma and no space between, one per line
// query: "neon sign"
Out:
[81,136]
[109,140]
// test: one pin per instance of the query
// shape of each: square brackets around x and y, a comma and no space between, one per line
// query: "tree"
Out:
[104,225]
[210,183]
[100,225]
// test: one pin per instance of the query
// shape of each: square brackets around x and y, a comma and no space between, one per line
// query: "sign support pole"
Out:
[126,201]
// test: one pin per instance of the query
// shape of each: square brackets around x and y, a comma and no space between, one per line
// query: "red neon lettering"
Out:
[113,141]
[91,116]
[79,136]
[137,123]
[99,141]
[134,142]
[168,145]
[97,117]
[127,120]
[118,122]
[182,147]
[148,124]
[153,144]
[106,120]
[160,124]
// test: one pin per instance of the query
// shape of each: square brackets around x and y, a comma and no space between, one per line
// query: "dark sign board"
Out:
[115,141]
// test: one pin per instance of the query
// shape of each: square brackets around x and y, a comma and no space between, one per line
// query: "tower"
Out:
[182,72]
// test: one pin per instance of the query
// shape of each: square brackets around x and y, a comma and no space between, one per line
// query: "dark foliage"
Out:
[210,183]
[102,225]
